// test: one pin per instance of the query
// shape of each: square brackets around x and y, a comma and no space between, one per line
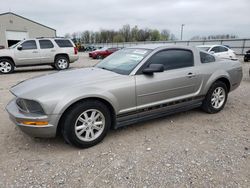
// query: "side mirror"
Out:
[153,68]
[19,48]
[212,52]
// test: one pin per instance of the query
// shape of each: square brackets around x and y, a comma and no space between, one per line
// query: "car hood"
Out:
[62,81]
[5,51]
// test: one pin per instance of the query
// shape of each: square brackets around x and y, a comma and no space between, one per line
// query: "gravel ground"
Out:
[190,149]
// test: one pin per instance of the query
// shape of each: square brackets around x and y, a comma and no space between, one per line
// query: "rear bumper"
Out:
[45,131]
[73,58]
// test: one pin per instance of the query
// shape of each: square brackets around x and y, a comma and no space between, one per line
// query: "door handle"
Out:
[190,75]
[53,50]
[35,52]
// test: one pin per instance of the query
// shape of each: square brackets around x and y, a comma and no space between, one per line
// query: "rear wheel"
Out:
[86,124]
[61,62]
[6,66]
[216,98]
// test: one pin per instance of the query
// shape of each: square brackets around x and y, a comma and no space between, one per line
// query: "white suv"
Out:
[57,52]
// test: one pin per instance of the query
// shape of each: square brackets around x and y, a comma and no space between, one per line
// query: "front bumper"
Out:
[45,131]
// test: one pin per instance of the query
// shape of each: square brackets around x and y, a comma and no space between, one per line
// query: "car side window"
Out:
[215,49]
[173,59]
[223,49]
[206,58]
[111,49]
[63,43]
[29,45]
[45,44]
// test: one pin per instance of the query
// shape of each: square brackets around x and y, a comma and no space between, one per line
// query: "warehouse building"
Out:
[14,28]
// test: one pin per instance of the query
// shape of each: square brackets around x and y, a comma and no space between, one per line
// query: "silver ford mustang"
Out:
[134,84]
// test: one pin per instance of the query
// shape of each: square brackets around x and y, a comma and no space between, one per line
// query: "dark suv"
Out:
[247,56]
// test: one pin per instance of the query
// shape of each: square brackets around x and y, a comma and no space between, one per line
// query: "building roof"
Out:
[26,19]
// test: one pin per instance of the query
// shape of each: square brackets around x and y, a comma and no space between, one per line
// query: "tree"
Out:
[165,34]
[118,38]
[154,35]
[125,31]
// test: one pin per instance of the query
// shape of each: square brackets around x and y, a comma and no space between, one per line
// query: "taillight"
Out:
[75,50]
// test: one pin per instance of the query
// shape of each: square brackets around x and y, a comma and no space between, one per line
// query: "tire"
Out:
[61,62]
[78,127]
[245,60]
[99,57]
[213,103]
[6,66]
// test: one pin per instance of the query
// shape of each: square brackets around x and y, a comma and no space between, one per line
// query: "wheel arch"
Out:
[107,103]
[223,79]
[8,57]
[61,54]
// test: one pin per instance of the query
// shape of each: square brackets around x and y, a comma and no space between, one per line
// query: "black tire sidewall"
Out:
[71,117]
[56,62]
[207,105]
[12,66]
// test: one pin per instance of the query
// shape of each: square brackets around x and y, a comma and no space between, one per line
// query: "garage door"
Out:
[14,37]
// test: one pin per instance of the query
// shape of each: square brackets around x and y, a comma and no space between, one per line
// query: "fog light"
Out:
[36,123]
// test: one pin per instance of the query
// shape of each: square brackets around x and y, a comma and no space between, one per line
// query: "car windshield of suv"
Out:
[14,45]
[204,48]
[123,61]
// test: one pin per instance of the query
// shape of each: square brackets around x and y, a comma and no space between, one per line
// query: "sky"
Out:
[201,17]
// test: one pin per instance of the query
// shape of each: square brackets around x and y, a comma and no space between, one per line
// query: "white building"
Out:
[14,28]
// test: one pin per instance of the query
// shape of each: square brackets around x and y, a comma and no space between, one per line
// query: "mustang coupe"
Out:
[134,84]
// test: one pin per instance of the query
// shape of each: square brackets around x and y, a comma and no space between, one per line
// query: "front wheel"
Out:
[6,66]
[216,98]
[86,124]
[61,62]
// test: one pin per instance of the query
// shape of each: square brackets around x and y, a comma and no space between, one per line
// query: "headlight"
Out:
[29,106]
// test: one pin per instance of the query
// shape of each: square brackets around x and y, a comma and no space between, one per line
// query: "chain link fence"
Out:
[240,46]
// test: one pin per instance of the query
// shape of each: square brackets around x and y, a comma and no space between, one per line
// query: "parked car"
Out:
[247,56]
[57,52]
[90,48]
[219,51]
[132,85]
[102,53]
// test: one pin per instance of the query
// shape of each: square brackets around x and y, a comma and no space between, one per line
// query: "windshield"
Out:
[204,48]
[123,61]
[14,45]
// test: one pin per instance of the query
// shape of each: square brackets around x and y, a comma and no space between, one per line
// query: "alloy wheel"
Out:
[5,67]
[62,63]
[89,125]
[218,97]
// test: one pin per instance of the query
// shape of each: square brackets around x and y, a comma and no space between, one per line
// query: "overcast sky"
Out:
[201,17]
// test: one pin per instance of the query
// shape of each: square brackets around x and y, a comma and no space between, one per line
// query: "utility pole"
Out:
[182,25]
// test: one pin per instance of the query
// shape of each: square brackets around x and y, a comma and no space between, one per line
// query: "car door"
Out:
[27,53]
[220,51]
[216,51]
[179,80]
[47,51]
[224,53]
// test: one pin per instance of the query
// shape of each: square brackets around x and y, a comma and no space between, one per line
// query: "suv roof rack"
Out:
[50,37]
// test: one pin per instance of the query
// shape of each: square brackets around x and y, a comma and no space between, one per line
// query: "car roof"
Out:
[212,45]
[156,46]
